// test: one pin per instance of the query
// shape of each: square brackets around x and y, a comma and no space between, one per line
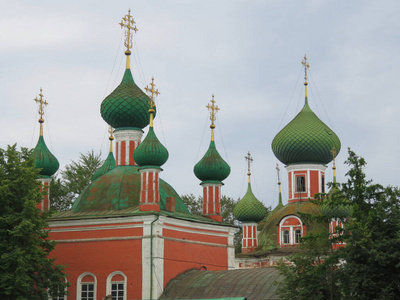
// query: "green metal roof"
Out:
[107,166]
[212,167]
[249,209]
[306,139]
[150,152]
[127,105]
[253,284]
[44,159]
[119,189]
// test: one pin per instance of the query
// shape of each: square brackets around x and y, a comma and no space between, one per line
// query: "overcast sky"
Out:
[248,53]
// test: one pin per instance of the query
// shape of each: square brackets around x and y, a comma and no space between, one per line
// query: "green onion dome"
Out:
[150,152]
[107,166]
[127,105]
[212,167]
[44,159]
[306,139]
[249,209]
[335,205]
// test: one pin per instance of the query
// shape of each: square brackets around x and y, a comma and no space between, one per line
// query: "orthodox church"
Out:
[130,236]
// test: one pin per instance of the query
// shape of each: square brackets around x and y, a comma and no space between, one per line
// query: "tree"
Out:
[368,267]
[75,177]
[26,270]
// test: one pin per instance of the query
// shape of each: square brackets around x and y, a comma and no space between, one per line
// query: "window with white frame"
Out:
[59,291]
[300,184]
[86,286]
[116,285]
[297,236]
[286,237]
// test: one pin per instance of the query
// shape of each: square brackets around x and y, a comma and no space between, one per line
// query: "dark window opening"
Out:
[300,184]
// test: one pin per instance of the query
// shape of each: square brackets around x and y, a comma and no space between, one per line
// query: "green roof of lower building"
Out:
[107,166]
[253,284]
[119,189]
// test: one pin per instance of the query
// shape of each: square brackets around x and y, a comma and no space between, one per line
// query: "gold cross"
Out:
[333,151]
[306,66]
[213,111]
[128,22]
[111,131]
[249,160]
[278,171]
[152,92]
[41,103]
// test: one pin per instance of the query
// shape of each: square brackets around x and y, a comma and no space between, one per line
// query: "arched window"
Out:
[291,230]
[116,285]
[86,286]
[286,237]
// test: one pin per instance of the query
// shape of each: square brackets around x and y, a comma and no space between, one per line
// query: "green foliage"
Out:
[75,177]
[368,267]
[26,270]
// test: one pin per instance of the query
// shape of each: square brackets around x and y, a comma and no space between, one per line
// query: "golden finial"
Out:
[249,160]
[279,179]
[41,103]
[306,67]
[153,93]
[333,151]
[213,111]
[111,138]
[128,22]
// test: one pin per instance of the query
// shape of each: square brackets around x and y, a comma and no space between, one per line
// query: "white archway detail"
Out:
[79,285]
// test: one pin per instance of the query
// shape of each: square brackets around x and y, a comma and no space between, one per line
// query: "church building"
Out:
[129,235]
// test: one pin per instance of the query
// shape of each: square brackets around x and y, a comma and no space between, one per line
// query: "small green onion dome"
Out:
[335,205]
[150,152]
[212,167]
[44,159]
[127,106]
[249,209]
[306,139]
[107,166]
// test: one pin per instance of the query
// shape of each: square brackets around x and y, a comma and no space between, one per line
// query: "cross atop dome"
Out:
[128,22]
[249,160]
[306,67]
[278,171]
[213,109]
[42,103]
[152,93]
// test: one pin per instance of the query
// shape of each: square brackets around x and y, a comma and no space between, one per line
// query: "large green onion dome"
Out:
[127,106]
[306,139]
[44,159]
[150,152]
[249,209]
[107,166]
[212,168]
